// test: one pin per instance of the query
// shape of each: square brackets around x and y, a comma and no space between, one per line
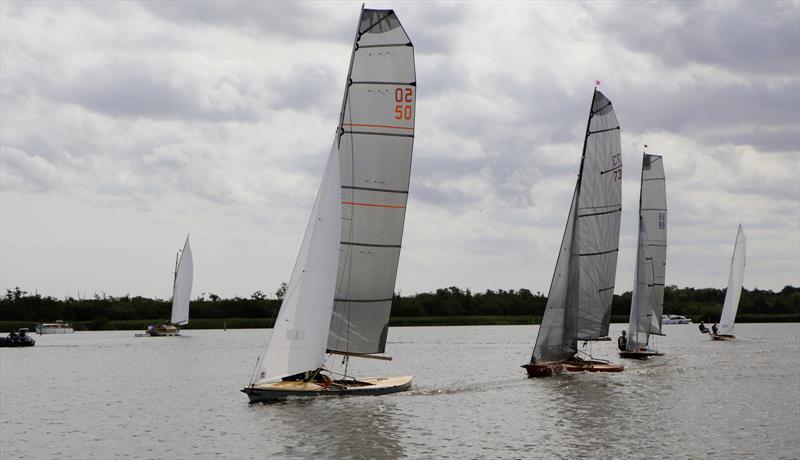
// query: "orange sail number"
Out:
[403,97]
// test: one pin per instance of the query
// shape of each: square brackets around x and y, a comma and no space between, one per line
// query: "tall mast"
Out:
[349,82]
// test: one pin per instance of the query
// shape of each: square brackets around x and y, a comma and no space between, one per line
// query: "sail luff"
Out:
[182,286]
[735,280]
[643,300]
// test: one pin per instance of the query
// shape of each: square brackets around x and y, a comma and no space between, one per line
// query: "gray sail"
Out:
[579,300]
[653,210]
[375,145]
[643,299]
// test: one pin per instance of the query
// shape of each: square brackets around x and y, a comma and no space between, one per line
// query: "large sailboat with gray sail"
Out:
[579,301]
[339,296]
[647,299]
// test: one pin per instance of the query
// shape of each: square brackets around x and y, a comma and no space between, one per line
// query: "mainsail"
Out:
[643,300]
[735,279]
[182,287]
[648,290]
[653,210]
[340,293]
[377,137]
[579,300]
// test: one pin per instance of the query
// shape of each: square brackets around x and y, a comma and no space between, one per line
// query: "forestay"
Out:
[653,210]
[375,145]
[182,287]
[298,338]
[579,301]
[735,279]
[643,299]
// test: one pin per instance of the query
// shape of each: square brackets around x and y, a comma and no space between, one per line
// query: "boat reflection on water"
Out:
[334,427]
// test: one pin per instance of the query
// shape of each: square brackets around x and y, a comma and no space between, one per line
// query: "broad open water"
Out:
[110,395]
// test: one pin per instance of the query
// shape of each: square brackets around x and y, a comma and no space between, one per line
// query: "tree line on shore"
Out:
[101,310]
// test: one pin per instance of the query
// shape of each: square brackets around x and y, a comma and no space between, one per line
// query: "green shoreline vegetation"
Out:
[445,307]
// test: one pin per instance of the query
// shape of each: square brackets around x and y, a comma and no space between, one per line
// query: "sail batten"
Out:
[735,280]
[579,300]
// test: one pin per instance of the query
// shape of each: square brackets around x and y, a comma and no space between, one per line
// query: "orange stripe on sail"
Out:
[377,126]
[374,205]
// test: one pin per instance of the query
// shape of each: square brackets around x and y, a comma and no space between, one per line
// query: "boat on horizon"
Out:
[181,294]
[647,298]
[734,291]
[17,338]
[675,319]
[57,327]
[340,293]
[579,301]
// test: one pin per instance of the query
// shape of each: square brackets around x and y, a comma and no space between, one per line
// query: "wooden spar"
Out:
[359,355]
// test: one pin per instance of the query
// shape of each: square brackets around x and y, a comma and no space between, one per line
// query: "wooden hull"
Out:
[163,331]
[639,354]
[722,337]
[268,392]
[549,369]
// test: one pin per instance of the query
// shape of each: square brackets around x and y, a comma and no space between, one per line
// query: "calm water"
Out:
[111,395]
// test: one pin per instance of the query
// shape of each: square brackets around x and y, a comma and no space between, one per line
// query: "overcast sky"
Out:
[125,126]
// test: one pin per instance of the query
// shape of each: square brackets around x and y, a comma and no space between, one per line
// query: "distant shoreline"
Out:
[412,321]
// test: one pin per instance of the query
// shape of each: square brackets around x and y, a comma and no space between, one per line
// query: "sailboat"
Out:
[579,301]
[647,300]
[340,293]
[181,292]
[735,279]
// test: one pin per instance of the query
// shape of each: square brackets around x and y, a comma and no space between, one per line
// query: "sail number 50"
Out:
[403,97]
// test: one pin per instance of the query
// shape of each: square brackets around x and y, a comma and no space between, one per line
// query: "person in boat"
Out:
[622,341]
[703,328]
[714,328]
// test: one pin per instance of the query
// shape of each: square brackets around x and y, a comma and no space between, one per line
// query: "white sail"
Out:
[643,300]
[579,300]
[653,210]
[375,147]
[735,279]
[182,287]
[298,338]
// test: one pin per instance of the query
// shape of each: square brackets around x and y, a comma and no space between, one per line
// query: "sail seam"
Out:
[378,134]
[401,83]
[599,253]
[350,187]
[602,130]
[384,46]
[612,169]
[654,209]
[375,205]
[349,243]
[600,213]
[653,178]
[601,108]
[364,125]
[363,300]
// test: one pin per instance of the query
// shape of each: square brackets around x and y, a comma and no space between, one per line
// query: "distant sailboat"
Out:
[647,300]
[181,293]
[340,292]
[735,279]
[579,300]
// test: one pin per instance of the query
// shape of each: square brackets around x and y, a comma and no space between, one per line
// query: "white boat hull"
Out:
[267,392]
[53,330]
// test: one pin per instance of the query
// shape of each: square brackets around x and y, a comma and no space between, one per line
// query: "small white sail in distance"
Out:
[300,333]
[182,287]
[735,279]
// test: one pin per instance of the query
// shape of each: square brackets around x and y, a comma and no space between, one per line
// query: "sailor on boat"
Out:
[714,328]
[622,341]
[703,328]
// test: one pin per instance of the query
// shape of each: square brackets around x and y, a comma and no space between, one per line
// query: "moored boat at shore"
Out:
[58,327]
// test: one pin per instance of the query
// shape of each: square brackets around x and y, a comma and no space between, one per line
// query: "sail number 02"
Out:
[403,97]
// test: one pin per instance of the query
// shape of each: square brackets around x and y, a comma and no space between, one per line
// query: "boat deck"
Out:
[265,392]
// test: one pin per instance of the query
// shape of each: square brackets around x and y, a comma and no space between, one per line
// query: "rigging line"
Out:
[602,130]
[377,134]
[605,289]
[375,189]
[363,125]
